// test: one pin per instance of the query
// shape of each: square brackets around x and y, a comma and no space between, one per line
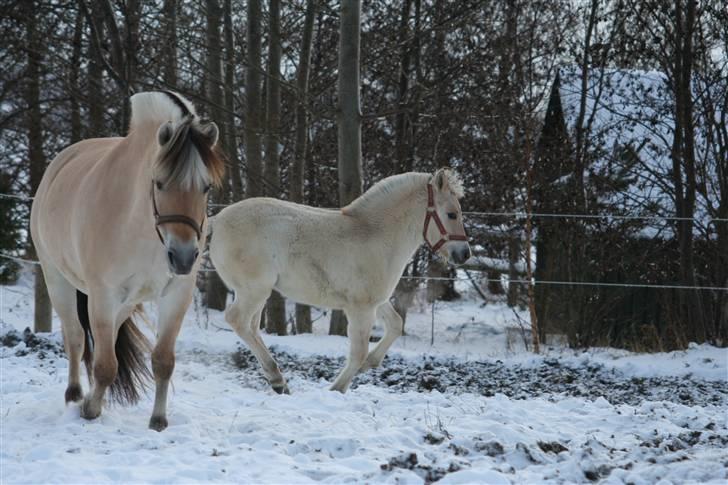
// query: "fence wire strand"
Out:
[503,281]
[512,214]
[518,215]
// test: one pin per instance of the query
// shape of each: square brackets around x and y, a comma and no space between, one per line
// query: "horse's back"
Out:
[81,156]
[60,195]
[304,252]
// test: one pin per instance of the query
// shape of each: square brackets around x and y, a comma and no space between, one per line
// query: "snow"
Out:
[226,426]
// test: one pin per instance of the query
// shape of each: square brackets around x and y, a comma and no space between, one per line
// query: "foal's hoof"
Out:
[281,389]
[90,410]
[73,393]
[158,423]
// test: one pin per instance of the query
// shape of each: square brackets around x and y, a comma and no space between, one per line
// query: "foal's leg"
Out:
[360,326]
[63,297]
[392,330]
[172,308]
[244,317]
[105,365]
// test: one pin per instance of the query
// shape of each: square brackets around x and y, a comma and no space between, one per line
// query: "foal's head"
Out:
[447,239]
[186,167]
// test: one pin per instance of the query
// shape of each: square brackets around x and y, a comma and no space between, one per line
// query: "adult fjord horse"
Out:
[349,259]
[119,221]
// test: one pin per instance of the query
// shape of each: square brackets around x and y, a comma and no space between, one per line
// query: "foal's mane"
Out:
[187,159]
[386,192]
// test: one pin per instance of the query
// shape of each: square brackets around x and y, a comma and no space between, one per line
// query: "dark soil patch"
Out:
[551,379]
[40,345]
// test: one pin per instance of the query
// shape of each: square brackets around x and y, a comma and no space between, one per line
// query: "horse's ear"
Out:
[210,132]
[165,133]
[441,180]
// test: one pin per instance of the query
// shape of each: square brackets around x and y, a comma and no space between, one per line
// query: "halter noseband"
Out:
[179,218]
[432,214]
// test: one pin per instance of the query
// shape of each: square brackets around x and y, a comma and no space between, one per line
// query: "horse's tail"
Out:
[131,346]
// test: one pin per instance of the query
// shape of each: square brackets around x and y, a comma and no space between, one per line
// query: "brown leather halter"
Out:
[432,214]
[178,218]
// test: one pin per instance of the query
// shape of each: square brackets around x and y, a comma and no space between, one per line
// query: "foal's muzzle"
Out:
[181,259]
[460,253]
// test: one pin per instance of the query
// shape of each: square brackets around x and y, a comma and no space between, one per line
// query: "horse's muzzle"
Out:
[181,260]
[460,254]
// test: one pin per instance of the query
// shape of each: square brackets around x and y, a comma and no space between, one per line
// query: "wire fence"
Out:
[505,280]
[517,214]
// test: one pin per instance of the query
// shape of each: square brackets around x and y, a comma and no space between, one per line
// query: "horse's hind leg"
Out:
[360,327]
[63,298]
[243,315]
[392,330]
[172,308]
[105,365]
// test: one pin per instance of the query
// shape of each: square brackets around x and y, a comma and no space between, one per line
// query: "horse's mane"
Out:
[159,106]
[380,194]
[177,162]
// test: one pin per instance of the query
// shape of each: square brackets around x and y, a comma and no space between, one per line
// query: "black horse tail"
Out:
[132,375]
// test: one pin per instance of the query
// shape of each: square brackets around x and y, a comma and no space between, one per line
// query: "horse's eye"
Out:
[159,185]
[452,215]
[206,189]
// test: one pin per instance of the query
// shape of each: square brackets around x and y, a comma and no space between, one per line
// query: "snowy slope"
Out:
[227,426]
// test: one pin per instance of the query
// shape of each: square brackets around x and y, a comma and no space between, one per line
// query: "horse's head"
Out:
[187,166]
[444,232]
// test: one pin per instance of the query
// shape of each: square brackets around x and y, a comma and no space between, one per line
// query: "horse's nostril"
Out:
[170,257]
[197,253]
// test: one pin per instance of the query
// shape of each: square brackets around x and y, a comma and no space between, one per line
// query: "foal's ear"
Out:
[165,133]
[441,180]
[210,132]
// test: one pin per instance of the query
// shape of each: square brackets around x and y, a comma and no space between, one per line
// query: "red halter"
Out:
[432,214]
[178,218]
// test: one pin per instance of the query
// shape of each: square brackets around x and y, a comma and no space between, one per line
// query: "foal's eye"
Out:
[452,215]
[159,185]
[206,189]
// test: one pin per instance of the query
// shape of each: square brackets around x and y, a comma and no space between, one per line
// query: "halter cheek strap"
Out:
[432,214]
[178,218]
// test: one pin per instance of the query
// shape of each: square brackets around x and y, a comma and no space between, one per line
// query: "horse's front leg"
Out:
[102,311]
[393,325]
[172,308]
[361,321]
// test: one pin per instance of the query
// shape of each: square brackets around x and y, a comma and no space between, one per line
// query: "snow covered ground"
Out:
[494,414]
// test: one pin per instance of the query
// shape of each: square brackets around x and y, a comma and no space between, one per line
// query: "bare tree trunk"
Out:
[231,147]
[74,68]
[131,19]
[216,293]
[169,43]
[684,160]
[35,46]
[350,170]
[95,99]
[401,125]
[514,254]
[253,119]
[303,312]
[276,306]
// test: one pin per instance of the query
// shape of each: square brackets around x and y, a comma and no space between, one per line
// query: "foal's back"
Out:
[315,256]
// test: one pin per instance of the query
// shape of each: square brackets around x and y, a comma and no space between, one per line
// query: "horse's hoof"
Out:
[90,410]
[282,389]
[74,393]
[158,423]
